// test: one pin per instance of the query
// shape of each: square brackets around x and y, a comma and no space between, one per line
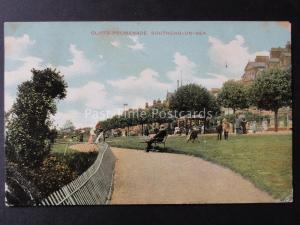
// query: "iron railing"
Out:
[93,187]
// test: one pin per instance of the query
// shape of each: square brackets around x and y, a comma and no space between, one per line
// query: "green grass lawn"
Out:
[266,160]
[77,161]
[58,148]
[61,148]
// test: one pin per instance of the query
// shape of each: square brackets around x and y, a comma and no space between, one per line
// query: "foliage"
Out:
[52,174]
[53,134]
[192,98]
[56,171]
[78,162]
[272,90]
[137,117]
[38,183]
[249,116]
[233,95]
[28,127]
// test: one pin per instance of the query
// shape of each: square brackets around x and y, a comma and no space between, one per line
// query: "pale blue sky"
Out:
[105,71]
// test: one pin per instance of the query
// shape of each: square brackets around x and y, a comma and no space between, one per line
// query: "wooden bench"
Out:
[160,141]
[157,141]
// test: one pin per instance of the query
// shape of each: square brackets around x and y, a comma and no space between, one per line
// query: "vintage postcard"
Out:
[148,113]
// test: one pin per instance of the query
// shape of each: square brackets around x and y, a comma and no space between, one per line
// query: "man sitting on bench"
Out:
[159,137]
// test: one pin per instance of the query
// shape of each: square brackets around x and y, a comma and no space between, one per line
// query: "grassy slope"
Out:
[266,160]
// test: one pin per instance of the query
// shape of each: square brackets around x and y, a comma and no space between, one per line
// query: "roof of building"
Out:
[262,58]
[256,64]
[277,49]
[214,90]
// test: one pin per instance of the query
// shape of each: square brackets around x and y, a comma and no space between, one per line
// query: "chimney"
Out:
[180,78]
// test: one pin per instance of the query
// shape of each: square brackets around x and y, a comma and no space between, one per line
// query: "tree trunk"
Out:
[205,126]
[233,124]
[276,119]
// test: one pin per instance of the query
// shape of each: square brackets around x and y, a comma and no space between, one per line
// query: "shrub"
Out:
[52,174]
[78,162]
[28,125]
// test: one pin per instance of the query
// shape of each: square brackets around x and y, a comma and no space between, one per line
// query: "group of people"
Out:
[240,125]
[223,127]
[188,129]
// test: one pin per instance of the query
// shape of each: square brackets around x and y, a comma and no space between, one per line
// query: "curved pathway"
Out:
[165,178]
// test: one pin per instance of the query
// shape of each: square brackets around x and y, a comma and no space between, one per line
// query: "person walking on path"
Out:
[226,128]
[92,136]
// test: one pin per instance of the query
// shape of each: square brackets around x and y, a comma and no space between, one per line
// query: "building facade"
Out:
[278,58]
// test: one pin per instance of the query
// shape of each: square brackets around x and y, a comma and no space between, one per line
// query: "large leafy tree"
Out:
[233,95]
[28,127]
[192,98]
[272,90]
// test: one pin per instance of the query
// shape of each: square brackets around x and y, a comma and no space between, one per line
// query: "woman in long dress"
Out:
[92,135]
[226,128]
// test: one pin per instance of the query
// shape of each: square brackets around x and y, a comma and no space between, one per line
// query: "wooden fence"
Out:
[93,187]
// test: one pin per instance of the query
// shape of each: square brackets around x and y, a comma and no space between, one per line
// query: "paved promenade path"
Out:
[165,178]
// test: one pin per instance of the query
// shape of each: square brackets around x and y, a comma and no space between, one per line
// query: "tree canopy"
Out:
[233,95]
[272,90]
[193,98]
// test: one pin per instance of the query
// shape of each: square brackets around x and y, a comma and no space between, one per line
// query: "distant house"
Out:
[215,91]
[279,57]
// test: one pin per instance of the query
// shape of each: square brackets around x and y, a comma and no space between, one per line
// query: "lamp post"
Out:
[125,105]
[125,114]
